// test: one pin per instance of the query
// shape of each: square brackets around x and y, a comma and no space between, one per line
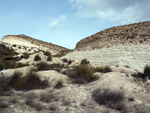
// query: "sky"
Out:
[65,22]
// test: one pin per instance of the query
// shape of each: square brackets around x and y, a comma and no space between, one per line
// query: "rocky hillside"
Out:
[132,34]
[122,45]
[23,41]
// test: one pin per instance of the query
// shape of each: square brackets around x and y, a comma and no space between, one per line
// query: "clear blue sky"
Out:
[65,22]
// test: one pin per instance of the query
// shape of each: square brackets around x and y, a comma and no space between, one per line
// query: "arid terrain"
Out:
[108,72]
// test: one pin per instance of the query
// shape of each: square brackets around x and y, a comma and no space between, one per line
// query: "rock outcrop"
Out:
[26,41]
[122,45]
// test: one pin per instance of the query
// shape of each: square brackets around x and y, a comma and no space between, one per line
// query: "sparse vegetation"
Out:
[66,102]
[30,101]
[65,60]
[112,99]
[37,58]
[83,73]
[19,65]
[59,84]
[4,85]
[103,69]
[30,81]
[41,66]
[4,105]
[26,56]
[85,61]
[49,58]
[147,72]
[145,75]
[47,53]
[47,97]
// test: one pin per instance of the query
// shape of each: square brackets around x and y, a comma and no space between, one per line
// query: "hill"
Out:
[127,45]
[26,41]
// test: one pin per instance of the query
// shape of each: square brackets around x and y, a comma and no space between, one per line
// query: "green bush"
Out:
[83,73]
[103,69]
[112,99]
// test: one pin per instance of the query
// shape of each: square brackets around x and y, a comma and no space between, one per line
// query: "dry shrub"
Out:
[30,101]
[4,85]
[47,97]
[37,58]
[83,73]
[42,66]
[49,58]
[85,61]
[145,75]
[112,99]
[28,82]
[103,69]
[26,56]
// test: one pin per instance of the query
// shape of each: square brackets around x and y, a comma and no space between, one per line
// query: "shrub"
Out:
[2,66]
[14,45]
[37,58]
[70,62]
[30,81]
[30,101]
[103,69]
[53,108]
[59,84]
[66,102]
[26,56]
[19,65]
[47,97]
[83,73]
[112,99]
[147,72]
[4,105]
[4,85]
[144,75]
[49,58]
[47,53]
[65,60]
[138,75]
[141,108]
[41,66]
[84,61]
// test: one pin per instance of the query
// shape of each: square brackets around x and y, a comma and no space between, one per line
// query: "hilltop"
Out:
[29,42]
[132,34]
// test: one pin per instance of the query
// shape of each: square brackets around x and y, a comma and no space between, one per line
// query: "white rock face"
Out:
[135,56]
[22,42]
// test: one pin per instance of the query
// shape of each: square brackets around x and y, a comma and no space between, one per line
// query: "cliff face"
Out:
[122,45]
[27,41]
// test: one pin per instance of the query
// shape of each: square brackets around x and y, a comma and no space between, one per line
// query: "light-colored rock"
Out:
[53,77]
[125,70]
